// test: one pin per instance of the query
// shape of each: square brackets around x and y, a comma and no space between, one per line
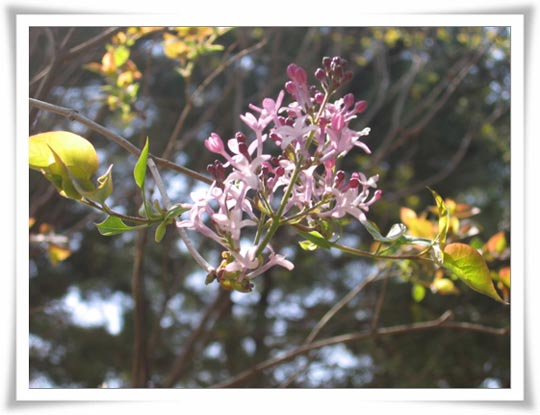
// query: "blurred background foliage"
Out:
[124,311]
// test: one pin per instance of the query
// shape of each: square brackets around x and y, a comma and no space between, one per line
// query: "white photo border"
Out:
[514,393]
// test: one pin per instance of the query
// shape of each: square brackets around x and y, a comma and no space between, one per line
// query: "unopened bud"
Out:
[320,75]
[348,100]
[360,106]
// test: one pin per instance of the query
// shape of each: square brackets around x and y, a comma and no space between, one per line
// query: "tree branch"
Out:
[74,115]
[441,322]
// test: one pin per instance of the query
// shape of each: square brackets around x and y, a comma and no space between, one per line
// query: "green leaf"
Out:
[139,172]
[307,245]
[174,211]
[317,239]
[114,226]
[418,292]
[468,265]
[105,186]
[160,232]
[396,231]
[444,218]
[75,152]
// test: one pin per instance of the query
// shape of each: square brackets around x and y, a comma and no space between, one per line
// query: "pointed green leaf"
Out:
[102,191]
[139,172]
[307,245]
[468,265]
[317,239]
[174,211]
[444,217]
[396,231]
[114,226]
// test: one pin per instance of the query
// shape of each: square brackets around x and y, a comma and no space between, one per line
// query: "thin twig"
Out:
[121,141]
[441,322]
[328,316]
[171,144]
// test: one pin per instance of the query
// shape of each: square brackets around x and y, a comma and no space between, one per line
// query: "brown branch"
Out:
[328,316]
[73,115]
[452,164]
[441,322]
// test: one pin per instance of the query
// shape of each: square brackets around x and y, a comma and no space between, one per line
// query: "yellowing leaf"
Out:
[76,153]
[496,244]
[468,265]
[58,253]
[420,227]
[504,276]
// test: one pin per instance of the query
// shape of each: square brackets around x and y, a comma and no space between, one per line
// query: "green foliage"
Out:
[139,172]
[115,226]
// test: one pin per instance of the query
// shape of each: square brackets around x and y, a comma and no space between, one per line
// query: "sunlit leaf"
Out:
[504,276]
[121,55]
[468,265]
[444,218]
[420,227]
[317,239]
[307,245]
[139,172]
[496,244]
[76,153]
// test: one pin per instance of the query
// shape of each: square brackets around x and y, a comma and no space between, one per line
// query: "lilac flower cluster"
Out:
[255,191]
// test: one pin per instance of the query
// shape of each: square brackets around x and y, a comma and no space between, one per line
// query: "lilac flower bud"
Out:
[214,143]
[290,87]
[339,178]
[240,137]
[297,73]
[348,100]
[326,62]
[320,75]
[360,106]
[319,97]
[275,137]
[353,183]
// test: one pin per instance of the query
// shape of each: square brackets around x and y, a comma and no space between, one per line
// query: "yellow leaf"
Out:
[58,253]
[77,154]
[420,227]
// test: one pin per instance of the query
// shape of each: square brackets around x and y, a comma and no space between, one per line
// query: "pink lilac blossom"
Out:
[308,133]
